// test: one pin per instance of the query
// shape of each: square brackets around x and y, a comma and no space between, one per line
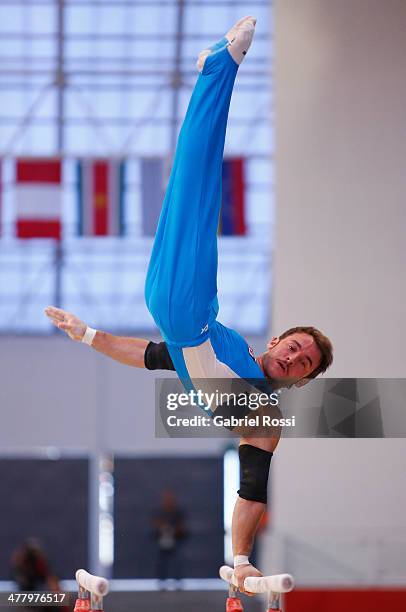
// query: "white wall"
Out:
[340,265]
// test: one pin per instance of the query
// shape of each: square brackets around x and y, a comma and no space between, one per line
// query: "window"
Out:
[96,78]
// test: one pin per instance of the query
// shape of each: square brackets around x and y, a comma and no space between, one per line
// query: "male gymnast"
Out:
[181,287]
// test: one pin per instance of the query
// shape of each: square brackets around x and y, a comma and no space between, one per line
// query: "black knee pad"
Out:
[254,472]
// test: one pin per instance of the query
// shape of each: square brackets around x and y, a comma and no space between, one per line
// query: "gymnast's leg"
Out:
[181,285]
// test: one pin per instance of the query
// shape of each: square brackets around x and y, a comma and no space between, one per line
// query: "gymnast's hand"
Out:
[68,322]
[242,572]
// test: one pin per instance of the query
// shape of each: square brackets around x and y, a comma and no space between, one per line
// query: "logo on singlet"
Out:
[251,352]
[205,328]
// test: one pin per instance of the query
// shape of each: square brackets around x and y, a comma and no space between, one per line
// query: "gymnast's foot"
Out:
[239,39]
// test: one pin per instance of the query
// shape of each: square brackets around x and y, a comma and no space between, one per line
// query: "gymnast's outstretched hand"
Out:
[68,322]
[242,572]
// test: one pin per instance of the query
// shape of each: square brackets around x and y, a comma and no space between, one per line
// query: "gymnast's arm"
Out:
[135,352]
[255,457]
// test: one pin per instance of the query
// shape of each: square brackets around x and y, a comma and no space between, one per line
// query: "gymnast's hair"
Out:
[323,343]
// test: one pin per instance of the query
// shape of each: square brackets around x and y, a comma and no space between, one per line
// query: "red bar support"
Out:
[234,604]
[82,605]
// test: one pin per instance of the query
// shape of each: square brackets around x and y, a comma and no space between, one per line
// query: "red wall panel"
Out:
[346,600]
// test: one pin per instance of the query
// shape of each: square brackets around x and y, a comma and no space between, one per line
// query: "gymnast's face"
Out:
[290,360]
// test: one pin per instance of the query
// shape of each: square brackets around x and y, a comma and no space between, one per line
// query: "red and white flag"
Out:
[38,197]
[100,190]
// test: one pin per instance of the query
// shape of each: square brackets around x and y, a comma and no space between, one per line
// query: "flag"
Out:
[153,184]
[100,196]
[38,198]
[232,216]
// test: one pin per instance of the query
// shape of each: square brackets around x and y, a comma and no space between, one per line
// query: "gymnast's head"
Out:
[296,356]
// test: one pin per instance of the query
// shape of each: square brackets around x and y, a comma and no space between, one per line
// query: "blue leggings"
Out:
[181,284]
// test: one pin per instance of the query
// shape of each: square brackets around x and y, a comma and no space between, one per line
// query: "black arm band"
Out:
[254,472]
[157,357]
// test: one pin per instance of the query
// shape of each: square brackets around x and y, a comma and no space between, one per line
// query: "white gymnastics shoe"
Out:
[239,37]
